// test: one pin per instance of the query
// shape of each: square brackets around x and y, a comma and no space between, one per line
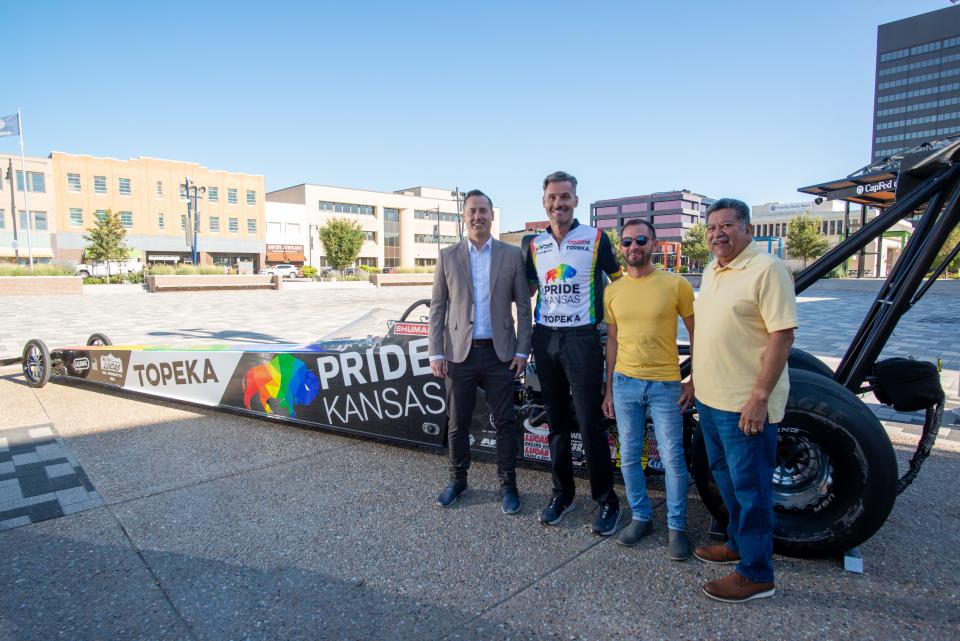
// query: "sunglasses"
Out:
[626,241]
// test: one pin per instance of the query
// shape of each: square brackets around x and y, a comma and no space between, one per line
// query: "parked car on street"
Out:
[112,268]
[285,271]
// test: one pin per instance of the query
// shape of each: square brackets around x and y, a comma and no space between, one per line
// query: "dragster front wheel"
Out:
[36,363]
[98,339]
[836,477]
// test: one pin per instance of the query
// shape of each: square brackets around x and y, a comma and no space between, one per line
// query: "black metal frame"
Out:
[904,286]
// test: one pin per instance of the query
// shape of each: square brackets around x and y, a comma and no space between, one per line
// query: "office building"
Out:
[405,228]
[671,212]
[19,230]
[148,195]
[771,221]
[917,84]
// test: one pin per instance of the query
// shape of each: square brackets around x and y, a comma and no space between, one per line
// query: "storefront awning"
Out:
[277,253]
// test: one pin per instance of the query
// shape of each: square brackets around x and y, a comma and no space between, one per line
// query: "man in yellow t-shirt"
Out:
[643,370]
[749,314]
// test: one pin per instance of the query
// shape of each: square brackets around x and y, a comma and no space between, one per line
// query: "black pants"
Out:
[571,360]
[481,367]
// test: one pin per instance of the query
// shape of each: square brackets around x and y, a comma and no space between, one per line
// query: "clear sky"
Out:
[747,99]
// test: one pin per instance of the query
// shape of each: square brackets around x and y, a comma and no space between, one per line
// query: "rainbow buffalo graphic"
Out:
[285,379]
[561,273]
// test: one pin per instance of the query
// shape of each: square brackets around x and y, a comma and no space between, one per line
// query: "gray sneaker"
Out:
[632,534]
[678,545]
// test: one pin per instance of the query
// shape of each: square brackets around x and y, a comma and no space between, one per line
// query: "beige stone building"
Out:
[399,226]
[147,194]
[771,220]
[15,194]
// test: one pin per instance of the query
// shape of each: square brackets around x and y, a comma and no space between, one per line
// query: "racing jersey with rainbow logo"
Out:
[569,275]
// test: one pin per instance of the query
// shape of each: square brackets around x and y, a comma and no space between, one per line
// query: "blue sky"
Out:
[746,99]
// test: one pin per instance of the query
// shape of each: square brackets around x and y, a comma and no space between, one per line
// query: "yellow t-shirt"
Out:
[737,308]
[645,312]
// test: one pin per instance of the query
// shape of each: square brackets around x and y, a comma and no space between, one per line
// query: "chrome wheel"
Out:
[803,476]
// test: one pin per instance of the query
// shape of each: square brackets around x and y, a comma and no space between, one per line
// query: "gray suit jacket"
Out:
[451,305]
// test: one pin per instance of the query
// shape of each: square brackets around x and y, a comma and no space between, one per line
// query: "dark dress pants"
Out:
[571,360]
[481,367]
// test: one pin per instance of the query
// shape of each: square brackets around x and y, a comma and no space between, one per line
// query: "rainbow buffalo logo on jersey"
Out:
[284,379]
[561,273]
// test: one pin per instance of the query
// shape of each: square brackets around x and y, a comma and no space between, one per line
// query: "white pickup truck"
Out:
[116,268]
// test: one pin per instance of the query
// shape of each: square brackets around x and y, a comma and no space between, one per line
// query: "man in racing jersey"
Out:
[565,265]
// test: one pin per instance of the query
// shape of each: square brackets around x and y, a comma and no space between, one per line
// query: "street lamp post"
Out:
[193,193]
[457,194]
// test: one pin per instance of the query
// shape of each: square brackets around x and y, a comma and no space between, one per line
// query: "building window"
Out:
[101,215]
[251,197]
[391,237]
[348,208]
[214,223]
[126,219]
[231,196]
[233,224]
[76,217]
[368,262]
[123,186]
[425,262]
[273,229]
[159,189]
[35,182]
[430,239]
[370,235]
[3,219]
[426,214]
[40,220]
[183,192]
[293,229]
[99,184]
[251,225]
[160,222]
[73,182]
[183,222]
[213,194]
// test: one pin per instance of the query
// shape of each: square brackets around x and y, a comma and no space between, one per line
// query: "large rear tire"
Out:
[800,359]
[36,363]
[836,477]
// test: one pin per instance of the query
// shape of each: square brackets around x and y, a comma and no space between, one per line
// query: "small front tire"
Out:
[36,363]
[97,339]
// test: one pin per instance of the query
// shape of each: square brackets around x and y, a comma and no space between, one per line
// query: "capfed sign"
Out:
[872,188]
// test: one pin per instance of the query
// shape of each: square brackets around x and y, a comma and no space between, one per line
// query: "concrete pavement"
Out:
[198,524]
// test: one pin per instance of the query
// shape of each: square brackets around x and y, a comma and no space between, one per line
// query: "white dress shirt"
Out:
[480,271]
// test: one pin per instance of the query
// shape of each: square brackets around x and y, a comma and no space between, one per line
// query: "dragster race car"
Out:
[836,478]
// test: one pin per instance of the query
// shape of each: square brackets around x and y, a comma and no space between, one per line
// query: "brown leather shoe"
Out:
[719,554]
[736,588]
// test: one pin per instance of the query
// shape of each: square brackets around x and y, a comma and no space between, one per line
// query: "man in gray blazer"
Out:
[473,342]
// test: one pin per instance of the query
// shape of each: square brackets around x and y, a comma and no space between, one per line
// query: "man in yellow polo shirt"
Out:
[748,312]
[643,370]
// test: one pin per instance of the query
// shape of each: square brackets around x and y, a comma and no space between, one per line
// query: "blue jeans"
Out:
[631,398]
[743,467]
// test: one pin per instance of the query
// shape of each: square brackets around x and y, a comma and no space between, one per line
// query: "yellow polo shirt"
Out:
[737,308]
[645,312]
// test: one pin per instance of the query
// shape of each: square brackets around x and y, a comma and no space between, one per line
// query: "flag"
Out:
[9,126]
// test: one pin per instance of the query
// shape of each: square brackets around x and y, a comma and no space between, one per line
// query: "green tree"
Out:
[694,247]
[952,240]
[614,237]
[804,239]
[341,241]
[107,240]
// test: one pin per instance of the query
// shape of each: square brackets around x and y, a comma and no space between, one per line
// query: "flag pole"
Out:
[26,188]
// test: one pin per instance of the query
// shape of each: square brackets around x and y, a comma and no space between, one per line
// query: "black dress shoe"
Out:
[451,493]
[511,500]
